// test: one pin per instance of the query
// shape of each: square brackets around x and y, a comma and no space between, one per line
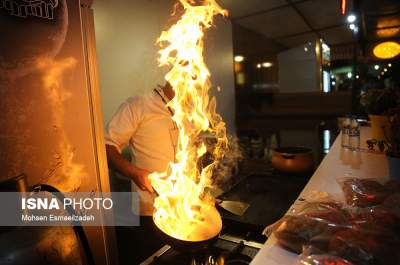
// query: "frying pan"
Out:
[185,245]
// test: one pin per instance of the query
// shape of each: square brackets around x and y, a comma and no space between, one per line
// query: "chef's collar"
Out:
[162,94]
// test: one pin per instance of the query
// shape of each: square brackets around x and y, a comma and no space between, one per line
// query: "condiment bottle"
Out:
[345,132]
[354,136]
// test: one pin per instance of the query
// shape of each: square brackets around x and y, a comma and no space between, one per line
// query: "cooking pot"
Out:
[293,160]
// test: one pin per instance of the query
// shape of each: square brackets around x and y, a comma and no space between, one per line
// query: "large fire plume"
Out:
[184,209]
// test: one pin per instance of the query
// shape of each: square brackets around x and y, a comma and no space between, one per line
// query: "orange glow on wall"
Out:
[387,50]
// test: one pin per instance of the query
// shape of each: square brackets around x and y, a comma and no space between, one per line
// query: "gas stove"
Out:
[227,249]
[269,194]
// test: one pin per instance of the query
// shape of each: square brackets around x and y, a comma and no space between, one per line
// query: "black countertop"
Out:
[269,193]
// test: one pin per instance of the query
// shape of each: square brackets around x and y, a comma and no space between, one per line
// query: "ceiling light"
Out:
[390,65]
[384,28]
[352,26]
[305,49]
[333,83]
[332,76]
[258,65]
[351,18]
[267,64]
[357,76]
[239,58]
[349,74]
[376,67]
[385,70]
[325,47]
[387,50]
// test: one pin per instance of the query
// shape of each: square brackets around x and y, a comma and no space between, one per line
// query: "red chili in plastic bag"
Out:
[364,192]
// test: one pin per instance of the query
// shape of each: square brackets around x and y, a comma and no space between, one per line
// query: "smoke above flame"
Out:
[183,208]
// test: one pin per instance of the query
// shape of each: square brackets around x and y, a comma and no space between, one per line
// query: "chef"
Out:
[144,125]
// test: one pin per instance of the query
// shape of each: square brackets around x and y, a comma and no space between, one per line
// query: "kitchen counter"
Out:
[338,163]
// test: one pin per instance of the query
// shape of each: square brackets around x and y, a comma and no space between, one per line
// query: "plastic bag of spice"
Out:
[359,235]
[328,211]
[365,247]
[294,232]
[392,203]
[314,219]
[378,219]
[359,246]
[393,186]
[322,259]
[363,192]
[371,238]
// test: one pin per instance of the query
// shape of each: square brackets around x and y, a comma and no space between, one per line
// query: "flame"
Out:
[69,173]
[183,208]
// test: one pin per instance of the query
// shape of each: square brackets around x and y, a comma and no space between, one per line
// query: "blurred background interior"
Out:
[299,65]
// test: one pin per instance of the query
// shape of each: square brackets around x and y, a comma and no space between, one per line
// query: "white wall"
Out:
[126,32]
[298,70]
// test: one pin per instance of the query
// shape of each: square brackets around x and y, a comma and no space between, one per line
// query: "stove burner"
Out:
[207,261]
[223,252]
[237,260]
[229,258]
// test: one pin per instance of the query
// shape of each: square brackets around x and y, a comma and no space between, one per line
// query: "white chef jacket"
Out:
[144,123]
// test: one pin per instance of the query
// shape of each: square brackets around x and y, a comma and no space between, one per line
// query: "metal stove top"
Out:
[269,195]
[228,249]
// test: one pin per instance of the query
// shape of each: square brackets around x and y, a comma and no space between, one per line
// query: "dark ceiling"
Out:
[295,22]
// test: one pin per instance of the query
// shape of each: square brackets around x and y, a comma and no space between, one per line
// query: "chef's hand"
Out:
[124,167]
[141,178]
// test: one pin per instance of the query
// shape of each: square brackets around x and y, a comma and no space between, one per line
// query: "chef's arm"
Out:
[124,167]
